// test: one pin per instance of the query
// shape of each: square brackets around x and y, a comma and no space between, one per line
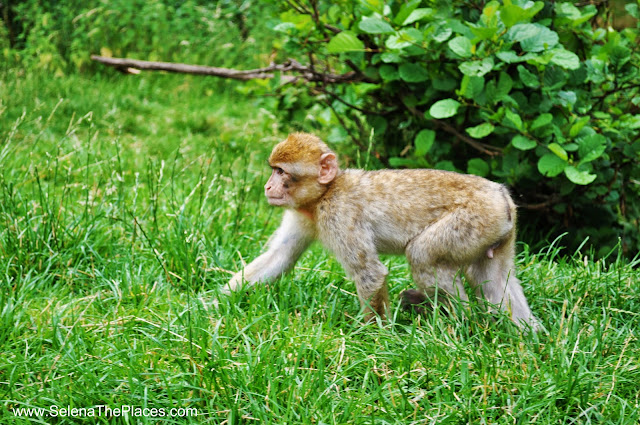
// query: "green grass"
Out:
[125,202]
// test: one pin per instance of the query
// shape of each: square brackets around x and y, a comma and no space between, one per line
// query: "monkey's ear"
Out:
[328,168]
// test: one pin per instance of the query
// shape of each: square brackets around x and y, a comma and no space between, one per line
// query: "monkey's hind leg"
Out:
[495,280]
[417,302]
[413,300]
[434,256]
[432,281]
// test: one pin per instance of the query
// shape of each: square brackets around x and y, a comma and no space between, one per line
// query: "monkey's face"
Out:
[293,187]
[302,168]
[278,187]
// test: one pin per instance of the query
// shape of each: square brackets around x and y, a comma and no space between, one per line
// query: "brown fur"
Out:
[298,147]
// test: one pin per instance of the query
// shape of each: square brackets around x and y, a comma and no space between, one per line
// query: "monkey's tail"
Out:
[510,206]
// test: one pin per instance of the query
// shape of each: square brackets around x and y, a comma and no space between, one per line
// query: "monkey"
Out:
[491,249]
[445,223]
[413,300]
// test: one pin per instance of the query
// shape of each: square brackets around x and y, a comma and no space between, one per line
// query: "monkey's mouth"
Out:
[275,200]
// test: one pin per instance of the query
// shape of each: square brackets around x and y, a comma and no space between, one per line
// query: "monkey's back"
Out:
[400,204]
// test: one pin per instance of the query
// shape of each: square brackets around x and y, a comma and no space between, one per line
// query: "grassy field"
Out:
[125,202]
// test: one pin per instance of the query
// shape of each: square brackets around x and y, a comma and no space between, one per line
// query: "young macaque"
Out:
[444,222]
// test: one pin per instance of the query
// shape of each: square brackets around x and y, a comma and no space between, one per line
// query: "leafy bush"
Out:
[542,96]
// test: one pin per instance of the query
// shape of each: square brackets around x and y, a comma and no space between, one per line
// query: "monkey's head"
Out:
[303,167]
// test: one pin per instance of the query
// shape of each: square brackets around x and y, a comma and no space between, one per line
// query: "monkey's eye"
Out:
[279,171]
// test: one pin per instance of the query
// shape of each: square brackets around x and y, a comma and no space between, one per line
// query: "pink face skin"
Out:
[300,185]
[277,187]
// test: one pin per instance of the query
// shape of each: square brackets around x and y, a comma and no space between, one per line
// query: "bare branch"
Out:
[482,147]
[344,102]
[291,65]
[542,205]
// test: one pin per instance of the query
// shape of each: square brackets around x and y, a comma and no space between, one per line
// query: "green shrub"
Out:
[542,96]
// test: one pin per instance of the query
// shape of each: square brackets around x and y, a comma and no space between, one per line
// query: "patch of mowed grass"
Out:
[124,204]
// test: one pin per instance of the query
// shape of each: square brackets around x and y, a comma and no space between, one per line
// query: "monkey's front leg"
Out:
[287,244]
[370,277]
[379,303]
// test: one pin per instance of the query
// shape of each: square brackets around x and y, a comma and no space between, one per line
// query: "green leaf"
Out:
[345,41]
[483,33]
[423,142]
[550,165]
[511,57]
[568,13]
[596,70]
[578,126]
[558,150]
[505,84]
[413,73]
[490,10]
[402,162]
[480,131]
[461,46]
[533,10]
[378,123]
[478,167]
[619,55]
[444,108]
[565,59]
[285,27]
[418,15]
[301,22]
[541,121]
[545,40]
[523,143]
[521,32]
[567,10]
[410,101]
[441,32]
[445,165]
[405,11]
[577,176]
[404,38]
[374,5]
[532,37]
[566,98]
[631,121]
[554,78]
[528,78]
[570,147]
[444,82]
[591,147]
[390,57]
[477,68]
[511,14]
[471,87]
[412,35]
[375,26]
[513,118]
[388,73]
